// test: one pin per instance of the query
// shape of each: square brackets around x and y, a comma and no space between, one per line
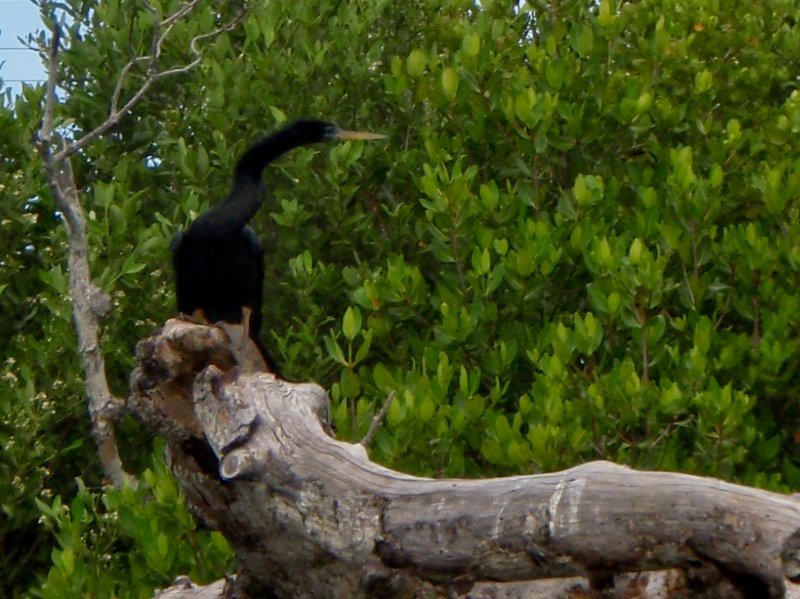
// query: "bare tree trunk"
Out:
[89,304]
[309,516]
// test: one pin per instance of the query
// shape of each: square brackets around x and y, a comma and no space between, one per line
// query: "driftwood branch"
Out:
[183,588]
[90,303]
[309,516]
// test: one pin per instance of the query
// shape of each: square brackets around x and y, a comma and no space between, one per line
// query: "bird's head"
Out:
[309,131]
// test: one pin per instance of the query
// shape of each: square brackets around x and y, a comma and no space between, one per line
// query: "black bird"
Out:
[219,261]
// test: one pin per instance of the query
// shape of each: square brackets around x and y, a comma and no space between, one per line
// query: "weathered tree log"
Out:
[309,516]
[184,588]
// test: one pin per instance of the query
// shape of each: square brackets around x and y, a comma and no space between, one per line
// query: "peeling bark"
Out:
[309,516]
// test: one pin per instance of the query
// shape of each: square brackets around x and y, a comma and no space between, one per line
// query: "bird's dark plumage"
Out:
[219,261]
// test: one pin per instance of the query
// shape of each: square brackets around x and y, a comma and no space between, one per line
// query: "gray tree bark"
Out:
[89,303]
[310,516]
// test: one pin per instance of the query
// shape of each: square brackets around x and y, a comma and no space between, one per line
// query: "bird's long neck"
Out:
[247,194]
[255,159]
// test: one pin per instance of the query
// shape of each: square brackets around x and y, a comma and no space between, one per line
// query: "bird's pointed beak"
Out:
[344,134]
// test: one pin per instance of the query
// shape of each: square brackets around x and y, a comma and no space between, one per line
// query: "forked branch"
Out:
[152,75]
[90,303]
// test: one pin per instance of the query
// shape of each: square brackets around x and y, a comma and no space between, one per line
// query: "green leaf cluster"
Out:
[580,241]
[596,258]
[125,543]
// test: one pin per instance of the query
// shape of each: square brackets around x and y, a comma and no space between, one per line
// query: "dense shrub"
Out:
[580,242]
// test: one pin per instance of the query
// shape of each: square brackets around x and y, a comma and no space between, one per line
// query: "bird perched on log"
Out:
[218,260]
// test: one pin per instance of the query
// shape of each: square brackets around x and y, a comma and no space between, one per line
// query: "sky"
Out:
[18,64]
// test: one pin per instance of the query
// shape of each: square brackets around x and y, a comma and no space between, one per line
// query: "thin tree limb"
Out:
[89,303]
[376,420]
[158,40]
[46,131]
[116,115]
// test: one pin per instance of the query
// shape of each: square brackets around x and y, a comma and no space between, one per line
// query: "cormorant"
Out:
[219,261]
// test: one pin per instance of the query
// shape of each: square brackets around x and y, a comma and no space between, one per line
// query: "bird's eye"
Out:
[331,132]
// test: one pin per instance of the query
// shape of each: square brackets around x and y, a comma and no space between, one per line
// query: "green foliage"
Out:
[580,241]
[125,543]
[597,242]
